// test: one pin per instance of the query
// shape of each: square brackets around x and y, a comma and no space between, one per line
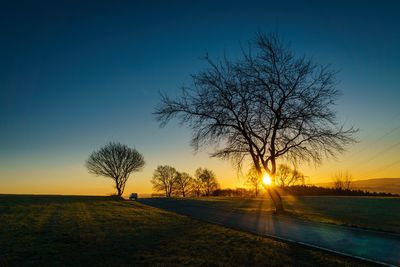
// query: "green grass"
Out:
[376,213]
[87,231]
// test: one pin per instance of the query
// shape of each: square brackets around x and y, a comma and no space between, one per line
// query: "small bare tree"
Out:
[348,181]
[253,180]
[115,161]
[297,178]
[267,106]
[208,180]
[342,180]
[164,179]
[197,186]
[283,175]
[286,176]
[183,183]
[337,183]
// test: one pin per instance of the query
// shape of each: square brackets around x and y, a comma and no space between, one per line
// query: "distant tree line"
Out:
[117,161]
[301,190]
[311,190]
[237,192]
[170,182]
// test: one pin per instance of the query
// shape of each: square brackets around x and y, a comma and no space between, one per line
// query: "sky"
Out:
[75,75]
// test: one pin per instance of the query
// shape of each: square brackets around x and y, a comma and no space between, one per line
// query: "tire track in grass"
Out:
[89,230]
[43,216]
[23,228]
[43,245]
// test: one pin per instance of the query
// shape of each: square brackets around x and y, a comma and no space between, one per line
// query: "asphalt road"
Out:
[375,246]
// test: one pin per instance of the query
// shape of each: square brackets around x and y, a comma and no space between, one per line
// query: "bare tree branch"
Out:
[268,106]
[115,161]
[165,179]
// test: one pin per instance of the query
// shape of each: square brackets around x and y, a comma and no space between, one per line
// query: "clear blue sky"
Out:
[76,75]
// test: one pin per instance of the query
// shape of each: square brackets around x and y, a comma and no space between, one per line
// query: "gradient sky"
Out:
[74,76]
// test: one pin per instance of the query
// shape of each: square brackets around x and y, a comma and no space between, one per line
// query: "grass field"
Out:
[375,213]
[61,231]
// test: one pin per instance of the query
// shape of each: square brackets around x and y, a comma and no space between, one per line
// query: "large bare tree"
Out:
[268,105]
[116,161]
[164,179]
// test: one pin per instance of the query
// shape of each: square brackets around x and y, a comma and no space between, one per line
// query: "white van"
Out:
[133,196]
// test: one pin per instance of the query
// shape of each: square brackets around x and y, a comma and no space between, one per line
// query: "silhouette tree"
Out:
[208,180]
[197,186]
[183,183]
[164,179]
[253,180]
[285,176]
[266,106]
[115,161]
[297,178]
[342,181]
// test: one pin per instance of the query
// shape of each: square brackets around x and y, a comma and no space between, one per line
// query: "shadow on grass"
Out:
[96,231]
[27,200]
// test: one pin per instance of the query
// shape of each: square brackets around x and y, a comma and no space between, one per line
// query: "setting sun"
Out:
[266,179]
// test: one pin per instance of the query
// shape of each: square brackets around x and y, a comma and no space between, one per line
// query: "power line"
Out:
[375,141]
[384,167]
[382,152]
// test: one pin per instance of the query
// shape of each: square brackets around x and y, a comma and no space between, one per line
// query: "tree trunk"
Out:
[273,193]
[275,196]
[276,199]
[119,192]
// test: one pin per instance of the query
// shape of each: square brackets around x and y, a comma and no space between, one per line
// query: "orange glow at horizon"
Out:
[54,173]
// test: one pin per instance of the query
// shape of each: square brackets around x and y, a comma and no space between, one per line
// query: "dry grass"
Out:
[82,231]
